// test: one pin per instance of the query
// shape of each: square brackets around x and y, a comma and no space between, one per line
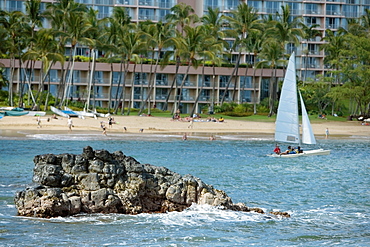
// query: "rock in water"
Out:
[102,182]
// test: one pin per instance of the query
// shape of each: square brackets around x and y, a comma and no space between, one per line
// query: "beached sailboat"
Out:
[287,127]
[62,113]
[14,112]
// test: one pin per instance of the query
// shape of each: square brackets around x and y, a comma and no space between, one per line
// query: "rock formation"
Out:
[102,182]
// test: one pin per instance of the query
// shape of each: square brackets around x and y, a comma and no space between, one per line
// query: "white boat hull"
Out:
[305,153]
[36,113]
[58,112]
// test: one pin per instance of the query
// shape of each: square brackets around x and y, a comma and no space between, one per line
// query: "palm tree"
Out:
[333,46]
[285,28]
[214,21]
[210,48]
[244,20]
[257,41]
[34,19]
[129,48]
[16,27]
[182,15]
[309,32]
[33,14]
[158,38]
[189,47]
[365,19]
[44,51]
[67,17]
[94,32]
[111,38]
[272,53]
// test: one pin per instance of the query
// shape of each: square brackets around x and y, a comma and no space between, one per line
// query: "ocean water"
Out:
[328,197]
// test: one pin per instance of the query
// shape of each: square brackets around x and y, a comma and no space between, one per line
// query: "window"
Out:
[166,4]
[223,80]
[211,3]
[350,11]
[312,62]
[232,4]
[146,14]
[255,4]
[313,49]
[246,96]
[332,9]
[294,8]
[290,48]
[116,77]
[104,2]
[53,75]
[98,77]
[141,79]
[272,7]
[311,21]
[104,11]
[161,93]
[205,95]
[332,23]
[246,82]
[76,77]
[207,81]
[161,79]
[146,2]
[180,78]
[15,6]
[161,14]
[311,8]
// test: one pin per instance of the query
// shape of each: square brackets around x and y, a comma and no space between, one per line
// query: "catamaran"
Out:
[287,127]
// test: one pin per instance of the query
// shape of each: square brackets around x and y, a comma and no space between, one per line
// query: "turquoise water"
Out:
[328,197]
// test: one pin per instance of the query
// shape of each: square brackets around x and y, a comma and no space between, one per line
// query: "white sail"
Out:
[287,121]
[307,133]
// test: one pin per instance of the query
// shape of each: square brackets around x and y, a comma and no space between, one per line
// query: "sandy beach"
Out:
[11,126]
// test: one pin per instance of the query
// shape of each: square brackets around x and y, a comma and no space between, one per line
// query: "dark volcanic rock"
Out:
[102,182]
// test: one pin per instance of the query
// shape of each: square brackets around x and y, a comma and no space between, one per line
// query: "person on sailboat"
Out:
[290,150]
[277,150]
[299,150]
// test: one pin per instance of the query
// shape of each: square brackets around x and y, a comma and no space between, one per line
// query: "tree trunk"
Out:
[173,84]
[199,92]
[116,101]
[229,81]
[182,85]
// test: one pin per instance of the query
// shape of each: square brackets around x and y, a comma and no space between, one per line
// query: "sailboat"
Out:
[287,126]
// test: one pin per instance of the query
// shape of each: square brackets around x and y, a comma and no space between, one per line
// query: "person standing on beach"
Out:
[326,133]
[38,122]
[110,122]
[70,123]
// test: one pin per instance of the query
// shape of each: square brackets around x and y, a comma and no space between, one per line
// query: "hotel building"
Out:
[310,59]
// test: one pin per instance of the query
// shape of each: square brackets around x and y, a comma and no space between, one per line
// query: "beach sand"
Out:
[16,126]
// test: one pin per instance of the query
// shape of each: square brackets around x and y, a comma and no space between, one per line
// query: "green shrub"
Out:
[238,114]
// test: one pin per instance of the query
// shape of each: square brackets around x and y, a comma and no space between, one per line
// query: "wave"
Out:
[195,215]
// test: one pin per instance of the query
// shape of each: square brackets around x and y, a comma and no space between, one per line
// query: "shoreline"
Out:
[23,126]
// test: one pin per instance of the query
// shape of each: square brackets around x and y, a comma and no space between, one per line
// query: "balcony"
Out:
[125,2]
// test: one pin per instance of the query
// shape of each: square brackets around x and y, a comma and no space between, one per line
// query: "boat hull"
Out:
[36,113]
[15,113]
[65,114]
[305,153]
